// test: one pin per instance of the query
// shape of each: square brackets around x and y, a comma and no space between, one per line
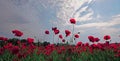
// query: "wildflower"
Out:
[76,36]
[72,21]
[3,38]
[60,36]
[30,40]
[46,32]
[91,38]
[15,50]
[107,37]
[56,31]
[1,51]
[20,55]
[94,46]
[63,48]
[86,44]
[96,39]
[17,33]
[117,55]
[63,40]
[67,32]
[54,28]
[79,44]
[59,51]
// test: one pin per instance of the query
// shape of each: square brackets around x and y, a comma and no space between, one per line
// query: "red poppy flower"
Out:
[3,38]
[91,38]
[46,32]
[94,45]
[79,44]
[96,39]
[107,37]
[76,36]
[60,36]
[67,32]
[1,51]
[30,40]
[17,33]
[62,48]
[63,40]
[15,50]
[86,44]
[117,55]
[72,21]
[56,31]
[59,51]
[54,28]
[20,55]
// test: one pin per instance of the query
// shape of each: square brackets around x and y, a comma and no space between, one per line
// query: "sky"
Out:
[33,17]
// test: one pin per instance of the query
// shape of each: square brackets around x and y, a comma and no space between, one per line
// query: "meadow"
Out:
[18,49]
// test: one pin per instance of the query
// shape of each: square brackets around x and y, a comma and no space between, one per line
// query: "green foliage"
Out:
[98,55]
[13,41]
[2,43]
[46,43]
[7,56]
[67,55]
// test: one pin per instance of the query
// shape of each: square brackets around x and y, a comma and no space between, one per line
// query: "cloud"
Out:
[109,23]
[77,9]
[86,17]
[30,16]
[11,13]
[19,14]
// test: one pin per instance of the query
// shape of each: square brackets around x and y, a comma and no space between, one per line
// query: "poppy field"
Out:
[18,49]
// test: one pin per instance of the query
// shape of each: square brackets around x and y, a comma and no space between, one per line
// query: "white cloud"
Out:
[86,17]
[114,21]
[77,14]
[98,16]
[20,14]
[74,8]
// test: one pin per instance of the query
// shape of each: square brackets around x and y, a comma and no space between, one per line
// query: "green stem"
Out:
[58,39]
[73,34]
[53,38]
[38,43]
